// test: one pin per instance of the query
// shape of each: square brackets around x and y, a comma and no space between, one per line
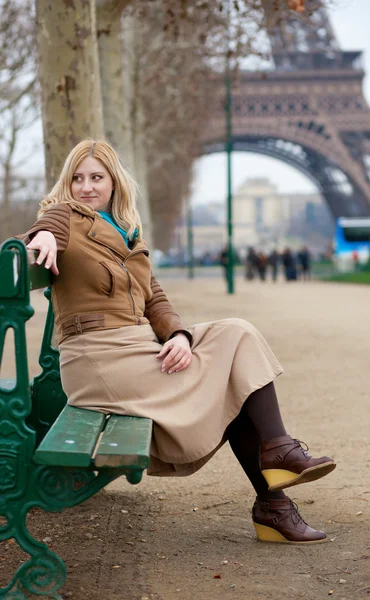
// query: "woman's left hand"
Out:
[177,354]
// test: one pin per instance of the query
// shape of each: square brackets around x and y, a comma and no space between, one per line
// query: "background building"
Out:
[262,218]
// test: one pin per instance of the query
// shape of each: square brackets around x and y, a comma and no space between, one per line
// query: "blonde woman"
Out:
[123,348]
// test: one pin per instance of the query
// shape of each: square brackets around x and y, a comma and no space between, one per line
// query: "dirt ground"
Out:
[192,538]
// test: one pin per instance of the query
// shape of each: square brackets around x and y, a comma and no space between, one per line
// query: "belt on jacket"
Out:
[80,323]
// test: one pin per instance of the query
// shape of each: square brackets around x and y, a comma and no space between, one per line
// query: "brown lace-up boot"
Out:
[279,521]
[285,463]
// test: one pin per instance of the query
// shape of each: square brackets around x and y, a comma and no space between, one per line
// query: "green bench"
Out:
[52,455]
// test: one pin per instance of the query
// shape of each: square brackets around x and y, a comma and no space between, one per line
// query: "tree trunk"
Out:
[134,113]
[69,78]
[116,123]
[121,95]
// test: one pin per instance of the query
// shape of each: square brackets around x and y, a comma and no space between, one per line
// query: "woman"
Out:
[119,339]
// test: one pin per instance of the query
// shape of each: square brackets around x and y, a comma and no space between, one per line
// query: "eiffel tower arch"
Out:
[309,111]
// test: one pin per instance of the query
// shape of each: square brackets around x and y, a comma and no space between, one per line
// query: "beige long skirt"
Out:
[116,371]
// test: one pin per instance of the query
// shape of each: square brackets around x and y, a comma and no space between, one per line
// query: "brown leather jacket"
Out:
[102,284]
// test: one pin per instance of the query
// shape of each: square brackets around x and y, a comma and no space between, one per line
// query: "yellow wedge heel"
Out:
[279,479]
[268,534]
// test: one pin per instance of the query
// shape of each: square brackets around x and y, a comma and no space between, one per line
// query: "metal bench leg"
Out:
[43,574]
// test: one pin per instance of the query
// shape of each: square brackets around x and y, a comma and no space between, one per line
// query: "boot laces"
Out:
[296,517]
[299,445]
[292,512]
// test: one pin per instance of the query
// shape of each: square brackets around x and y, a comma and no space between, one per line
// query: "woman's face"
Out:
[92,184]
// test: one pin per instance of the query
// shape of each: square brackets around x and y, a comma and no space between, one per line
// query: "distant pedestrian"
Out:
[304,261]
[224,260]
[250,264]
[289,263]
[261,264]
[274,262]
[355,260]
[207,259]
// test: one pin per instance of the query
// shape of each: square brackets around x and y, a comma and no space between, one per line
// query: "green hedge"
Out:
[355,277]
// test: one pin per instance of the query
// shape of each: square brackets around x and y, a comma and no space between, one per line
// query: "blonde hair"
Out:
[123,201]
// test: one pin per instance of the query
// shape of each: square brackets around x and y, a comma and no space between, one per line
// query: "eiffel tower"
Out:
[309,111]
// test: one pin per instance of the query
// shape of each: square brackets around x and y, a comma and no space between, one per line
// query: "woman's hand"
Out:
[178,354]
[45,242]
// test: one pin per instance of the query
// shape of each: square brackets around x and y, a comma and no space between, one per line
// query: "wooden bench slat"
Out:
[125,443]
[71,440]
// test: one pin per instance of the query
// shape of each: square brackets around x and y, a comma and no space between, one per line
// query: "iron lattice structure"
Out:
[309,111]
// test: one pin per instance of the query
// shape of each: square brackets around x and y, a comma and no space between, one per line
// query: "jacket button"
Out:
[93,234]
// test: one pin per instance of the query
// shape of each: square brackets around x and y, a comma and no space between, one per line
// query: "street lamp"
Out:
[229,147]
[190,245]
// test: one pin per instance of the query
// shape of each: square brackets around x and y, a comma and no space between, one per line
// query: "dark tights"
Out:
[258,420]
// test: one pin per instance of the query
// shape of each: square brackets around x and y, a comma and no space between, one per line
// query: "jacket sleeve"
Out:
[57,221]
[161,315]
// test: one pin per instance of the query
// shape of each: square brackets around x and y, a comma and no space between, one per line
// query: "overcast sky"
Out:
[351,22]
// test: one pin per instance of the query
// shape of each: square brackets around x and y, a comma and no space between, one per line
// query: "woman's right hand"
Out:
[45,242]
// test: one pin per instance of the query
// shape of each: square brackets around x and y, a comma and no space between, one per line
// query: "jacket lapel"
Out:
[105,234]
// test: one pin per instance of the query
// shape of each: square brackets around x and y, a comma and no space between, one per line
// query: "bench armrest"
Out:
[18,272]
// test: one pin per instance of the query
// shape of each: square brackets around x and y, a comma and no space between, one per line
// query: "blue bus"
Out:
[352,241]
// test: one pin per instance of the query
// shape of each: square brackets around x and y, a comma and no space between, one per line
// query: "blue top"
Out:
[108,217]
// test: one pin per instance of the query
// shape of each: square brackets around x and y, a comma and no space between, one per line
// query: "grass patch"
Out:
[361,277]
